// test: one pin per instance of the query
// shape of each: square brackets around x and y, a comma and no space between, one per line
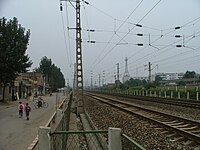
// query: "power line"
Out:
[128,32]
[159,51]
[114,34]
[65,39]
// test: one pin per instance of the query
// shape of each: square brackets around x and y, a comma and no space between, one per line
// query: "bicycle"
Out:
[41,103]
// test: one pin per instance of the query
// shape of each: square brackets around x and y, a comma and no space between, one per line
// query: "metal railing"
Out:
[81,139]
[84,140]
[130,144]
[59,141]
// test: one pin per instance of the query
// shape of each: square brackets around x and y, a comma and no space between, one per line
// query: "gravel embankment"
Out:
[144,133]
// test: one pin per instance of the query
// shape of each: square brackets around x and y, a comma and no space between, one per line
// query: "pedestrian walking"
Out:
[20,108]
[27,110]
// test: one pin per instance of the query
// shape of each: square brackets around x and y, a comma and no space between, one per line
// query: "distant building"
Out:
[170,76]
[141,78]
[24,85]
[126,76]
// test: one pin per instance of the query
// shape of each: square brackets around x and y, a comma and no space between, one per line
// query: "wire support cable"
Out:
[95,62]
[128,32]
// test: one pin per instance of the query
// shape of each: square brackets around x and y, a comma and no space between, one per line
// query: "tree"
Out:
[189,74]
[45,68]
[56,79]
[13,45]
[53,74]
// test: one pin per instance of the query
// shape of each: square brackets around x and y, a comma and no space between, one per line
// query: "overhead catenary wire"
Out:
[127,33]
[157,51]
[65,39]
[172,30]
[69,45]
[114,33]
[139,51]
[86,18]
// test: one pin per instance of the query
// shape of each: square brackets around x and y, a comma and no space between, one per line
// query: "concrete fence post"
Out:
[171,94]
[44,138]
[165,93]
[188,95]
[179,95]
[197,96]
[114,139]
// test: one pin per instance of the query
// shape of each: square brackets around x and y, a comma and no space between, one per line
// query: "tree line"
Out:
[143,83]
[52,74]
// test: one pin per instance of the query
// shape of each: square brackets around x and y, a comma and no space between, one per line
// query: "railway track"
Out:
[176,128]
[172,101]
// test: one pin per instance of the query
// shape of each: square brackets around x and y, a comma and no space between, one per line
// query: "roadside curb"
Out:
[33,144]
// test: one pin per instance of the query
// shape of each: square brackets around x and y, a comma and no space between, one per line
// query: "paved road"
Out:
[18,133]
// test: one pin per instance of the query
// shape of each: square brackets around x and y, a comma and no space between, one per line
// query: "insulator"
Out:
[61,7]
[86,2]
[178,45]
[177,28]
[139,44]
[139,34]
[177,36]
[138,25]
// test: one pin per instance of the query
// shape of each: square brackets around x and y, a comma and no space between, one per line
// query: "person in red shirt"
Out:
[20,108]
[27,110]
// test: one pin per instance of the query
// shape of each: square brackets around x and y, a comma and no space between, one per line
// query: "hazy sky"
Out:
[115,35]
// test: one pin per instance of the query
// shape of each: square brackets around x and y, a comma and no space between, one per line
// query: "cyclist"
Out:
[40,102]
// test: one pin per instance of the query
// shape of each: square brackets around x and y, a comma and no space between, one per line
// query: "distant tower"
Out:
[126,73]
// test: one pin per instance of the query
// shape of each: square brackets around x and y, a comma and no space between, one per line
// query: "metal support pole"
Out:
[149,72]
[79,68]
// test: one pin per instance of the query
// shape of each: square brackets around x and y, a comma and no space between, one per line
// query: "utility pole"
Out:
[103,78]
[79,66]
[44,89]
[150,71]
[74,80]
[68,83]
[91,76]
[99,80]
[117,81]
[79,78]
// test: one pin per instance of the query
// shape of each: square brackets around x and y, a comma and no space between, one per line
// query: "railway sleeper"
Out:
[172,135]
[166,132]
[193,128]
[189,143]
[196,132]
[175,124]
[183,126]
[173,121]
[167,120]
[178,139]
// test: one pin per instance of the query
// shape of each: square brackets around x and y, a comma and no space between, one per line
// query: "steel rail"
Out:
[162,119]
[172,101]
